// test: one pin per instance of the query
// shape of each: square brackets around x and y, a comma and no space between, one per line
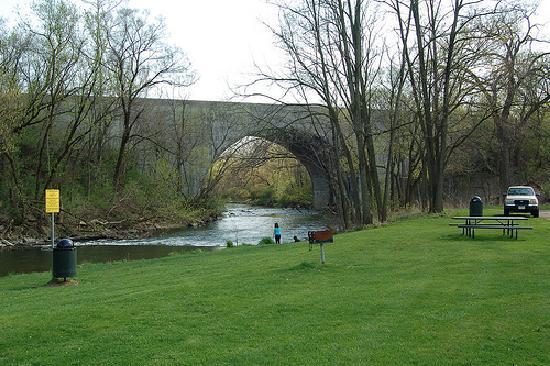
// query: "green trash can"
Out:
[476,207]
[64,259]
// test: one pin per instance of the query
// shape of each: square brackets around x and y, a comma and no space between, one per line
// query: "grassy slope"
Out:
[414,293]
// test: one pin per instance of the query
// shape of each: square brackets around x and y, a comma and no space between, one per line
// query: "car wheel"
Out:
[536,214]
[506,212]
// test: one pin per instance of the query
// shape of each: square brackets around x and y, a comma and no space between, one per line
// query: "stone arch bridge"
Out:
[212,127]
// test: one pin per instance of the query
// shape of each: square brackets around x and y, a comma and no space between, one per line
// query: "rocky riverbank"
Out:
[32,235]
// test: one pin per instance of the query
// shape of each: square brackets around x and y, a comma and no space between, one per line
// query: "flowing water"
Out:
[240,224]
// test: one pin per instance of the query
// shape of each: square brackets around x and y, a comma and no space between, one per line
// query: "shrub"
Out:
[266,240]
[265,197]
[229,244]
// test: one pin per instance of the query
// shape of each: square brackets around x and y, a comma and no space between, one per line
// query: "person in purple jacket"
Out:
[277,233]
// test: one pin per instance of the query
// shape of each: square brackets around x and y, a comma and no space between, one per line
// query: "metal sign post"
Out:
[53,230]
[52,206]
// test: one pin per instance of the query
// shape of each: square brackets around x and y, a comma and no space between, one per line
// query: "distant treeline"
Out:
[71,74]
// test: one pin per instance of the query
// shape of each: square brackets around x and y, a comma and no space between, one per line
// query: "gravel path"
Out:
[545,214]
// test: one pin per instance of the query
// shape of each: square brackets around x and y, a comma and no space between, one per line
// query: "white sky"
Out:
[222,38]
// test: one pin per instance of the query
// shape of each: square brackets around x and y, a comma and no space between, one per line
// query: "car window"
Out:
[520,192]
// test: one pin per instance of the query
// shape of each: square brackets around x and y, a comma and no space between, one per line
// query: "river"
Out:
[240,224]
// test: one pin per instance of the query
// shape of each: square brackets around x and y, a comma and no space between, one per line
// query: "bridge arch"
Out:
[216,126]
[305,151]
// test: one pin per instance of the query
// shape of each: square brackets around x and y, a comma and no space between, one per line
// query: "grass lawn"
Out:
[415,292]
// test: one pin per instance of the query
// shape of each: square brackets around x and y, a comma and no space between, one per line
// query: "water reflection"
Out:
[37,260]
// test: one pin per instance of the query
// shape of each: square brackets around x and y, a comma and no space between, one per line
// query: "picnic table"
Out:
[508,224]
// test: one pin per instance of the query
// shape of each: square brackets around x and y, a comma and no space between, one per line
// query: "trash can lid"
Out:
[475,198]
[65,243]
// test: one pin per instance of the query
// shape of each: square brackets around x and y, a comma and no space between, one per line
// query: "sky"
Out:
[224,39]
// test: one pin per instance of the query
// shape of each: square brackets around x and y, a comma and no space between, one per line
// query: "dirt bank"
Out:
[17,236]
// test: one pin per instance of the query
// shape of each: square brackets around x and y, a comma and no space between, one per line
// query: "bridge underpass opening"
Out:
[263,173]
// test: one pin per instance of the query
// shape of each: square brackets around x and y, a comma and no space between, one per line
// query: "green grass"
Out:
[411,293]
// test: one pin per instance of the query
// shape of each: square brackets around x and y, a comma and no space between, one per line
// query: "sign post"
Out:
[52,206]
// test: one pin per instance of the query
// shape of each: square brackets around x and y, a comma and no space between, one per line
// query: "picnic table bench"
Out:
[507,224]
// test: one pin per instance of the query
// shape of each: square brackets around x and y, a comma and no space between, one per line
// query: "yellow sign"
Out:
[52,200]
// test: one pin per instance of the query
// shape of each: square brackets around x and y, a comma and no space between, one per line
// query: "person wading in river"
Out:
[277,233]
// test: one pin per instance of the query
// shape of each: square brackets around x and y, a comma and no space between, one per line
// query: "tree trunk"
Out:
[504,163]
[365,199]
[375,182]
[117,176]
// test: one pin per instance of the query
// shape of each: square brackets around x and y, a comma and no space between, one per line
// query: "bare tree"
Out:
[355,38]
[394,102]
[331,54]
[435,37]
[12,47]
[57,46]
[514,81]
[99,14]
[139,60]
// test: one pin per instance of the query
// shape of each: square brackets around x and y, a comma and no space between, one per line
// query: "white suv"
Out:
[521,199]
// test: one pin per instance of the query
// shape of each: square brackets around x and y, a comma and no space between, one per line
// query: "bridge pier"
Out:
[320,188]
